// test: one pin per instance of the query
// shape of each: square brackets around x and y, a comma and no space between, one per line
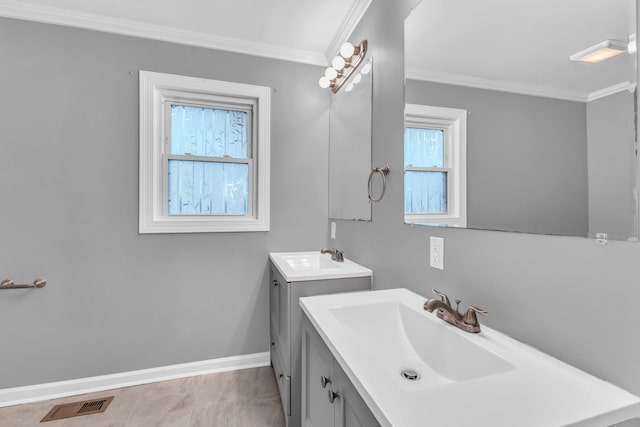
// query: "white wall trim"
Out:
[53,15]
[155,89]
[353,17]
[620,87]
[39,392]
[490,84]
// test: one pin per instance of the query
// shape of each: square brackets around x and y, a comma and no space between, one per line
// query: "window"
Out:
[435,165]
[204,155]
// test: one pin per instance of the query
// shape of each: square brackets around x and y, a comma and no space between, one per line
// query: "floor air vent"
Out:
[75,409]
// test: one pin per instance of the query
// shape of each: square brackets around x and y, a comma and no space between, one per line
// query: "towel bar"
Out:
[10,284]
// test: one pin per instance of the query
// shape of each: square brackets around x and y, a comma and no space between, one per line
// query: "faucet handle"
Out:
[445,299]
[470,317]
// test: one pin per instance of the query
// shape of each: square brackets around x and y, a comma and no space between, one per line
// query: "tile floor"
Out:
[243,398]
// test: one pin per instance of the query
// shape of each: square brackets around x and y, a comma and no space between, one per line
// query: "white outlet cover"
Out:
[436,252]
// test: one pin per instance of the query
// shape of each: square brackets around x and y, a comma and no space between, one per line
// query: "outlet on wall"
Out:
[333,230]
[436,252]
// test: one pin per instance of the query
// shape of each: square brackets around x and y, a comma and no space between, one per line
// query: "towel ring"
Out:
[383,171]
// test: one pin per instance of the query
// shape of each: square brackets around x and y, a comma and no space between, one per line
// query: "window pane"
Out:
[208,188]
[425,192]
[424,147]
[208,132]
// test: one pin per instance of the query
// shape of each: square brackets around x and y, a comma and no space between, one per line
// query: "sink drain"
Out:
[409,374]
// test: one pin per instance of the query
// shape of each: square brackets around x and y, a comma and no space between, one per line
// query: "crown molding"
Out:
[503,86]
[620,87]
[351,20]
[51,15]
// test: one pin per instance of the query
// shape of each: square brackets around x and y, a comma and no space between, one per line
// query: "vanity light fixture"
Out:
[344,65]
[601,51]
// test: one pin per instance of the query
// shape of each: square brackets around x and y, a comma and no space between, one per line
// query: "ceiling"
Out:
[307,31]
[519,46]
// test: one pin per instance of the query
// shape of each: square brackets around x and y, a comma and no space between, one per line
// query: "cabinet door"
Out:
[284,338]
[274,305]
[350,409]
[317,380]
[280,317]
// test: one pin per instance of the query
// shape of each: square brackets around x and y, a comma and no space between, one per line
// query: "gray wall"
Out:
[116,300]
[526,158]
[612,172]
[564,295]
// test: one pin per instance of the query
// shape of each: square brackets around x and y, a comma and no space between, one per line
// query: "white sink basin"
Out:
[313,261]
[401,338]
[463,379]
[302,266]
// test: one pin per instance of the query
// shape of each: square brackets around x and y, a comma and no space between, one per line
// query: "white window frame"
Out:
[157,90]
[453,122]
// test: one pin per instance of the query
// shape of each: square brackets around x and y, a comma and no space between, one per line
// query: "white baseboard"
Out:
[38,392]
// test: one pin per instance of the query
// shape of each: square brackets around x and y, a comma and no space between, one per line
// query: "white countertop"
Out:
[313,265]
[536,390]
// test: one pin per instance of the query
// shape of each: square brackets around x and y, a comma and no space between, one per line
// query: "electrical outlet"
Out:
[601,238]
[436,252]
[333,230]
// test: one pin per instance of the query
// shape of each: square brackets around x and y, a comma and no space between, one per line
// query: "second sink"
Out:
[309,261]
[313,265]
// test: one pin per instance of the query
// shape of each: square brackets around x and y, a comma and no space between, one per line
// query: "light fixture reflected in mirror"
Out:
[344,65]
[632,48]
[366,68]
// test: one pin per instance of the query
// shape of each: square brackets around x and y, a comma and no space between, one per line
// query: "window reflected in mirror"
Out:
[435,165]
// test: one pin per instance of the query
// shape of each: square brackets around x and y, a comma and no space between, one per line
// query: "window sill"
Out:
[202,225]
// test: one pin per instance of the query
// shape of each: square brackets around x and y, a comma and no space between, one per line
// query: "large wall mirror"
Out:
[550,141]
[350,150]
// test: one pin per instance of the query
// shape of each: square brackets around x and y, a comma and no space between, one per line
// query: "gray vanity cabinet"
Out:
[286,328]
[329,399]
[279,334]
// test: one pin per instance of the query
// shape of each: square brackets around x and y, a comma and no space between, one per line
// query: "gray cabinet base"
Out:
[286,328]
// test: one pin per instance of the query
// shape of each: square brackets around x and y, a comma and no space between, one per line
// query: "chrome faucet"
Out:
[467,322]
[336,255]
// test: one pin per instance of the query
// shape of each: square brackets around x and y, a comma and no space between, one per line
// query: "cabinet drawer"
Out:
[282,379]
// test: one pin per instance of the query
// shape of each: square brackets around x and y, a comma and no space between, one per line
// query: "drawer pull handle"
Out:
[280,375]
[275,283]
[333,395]
[324,381]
